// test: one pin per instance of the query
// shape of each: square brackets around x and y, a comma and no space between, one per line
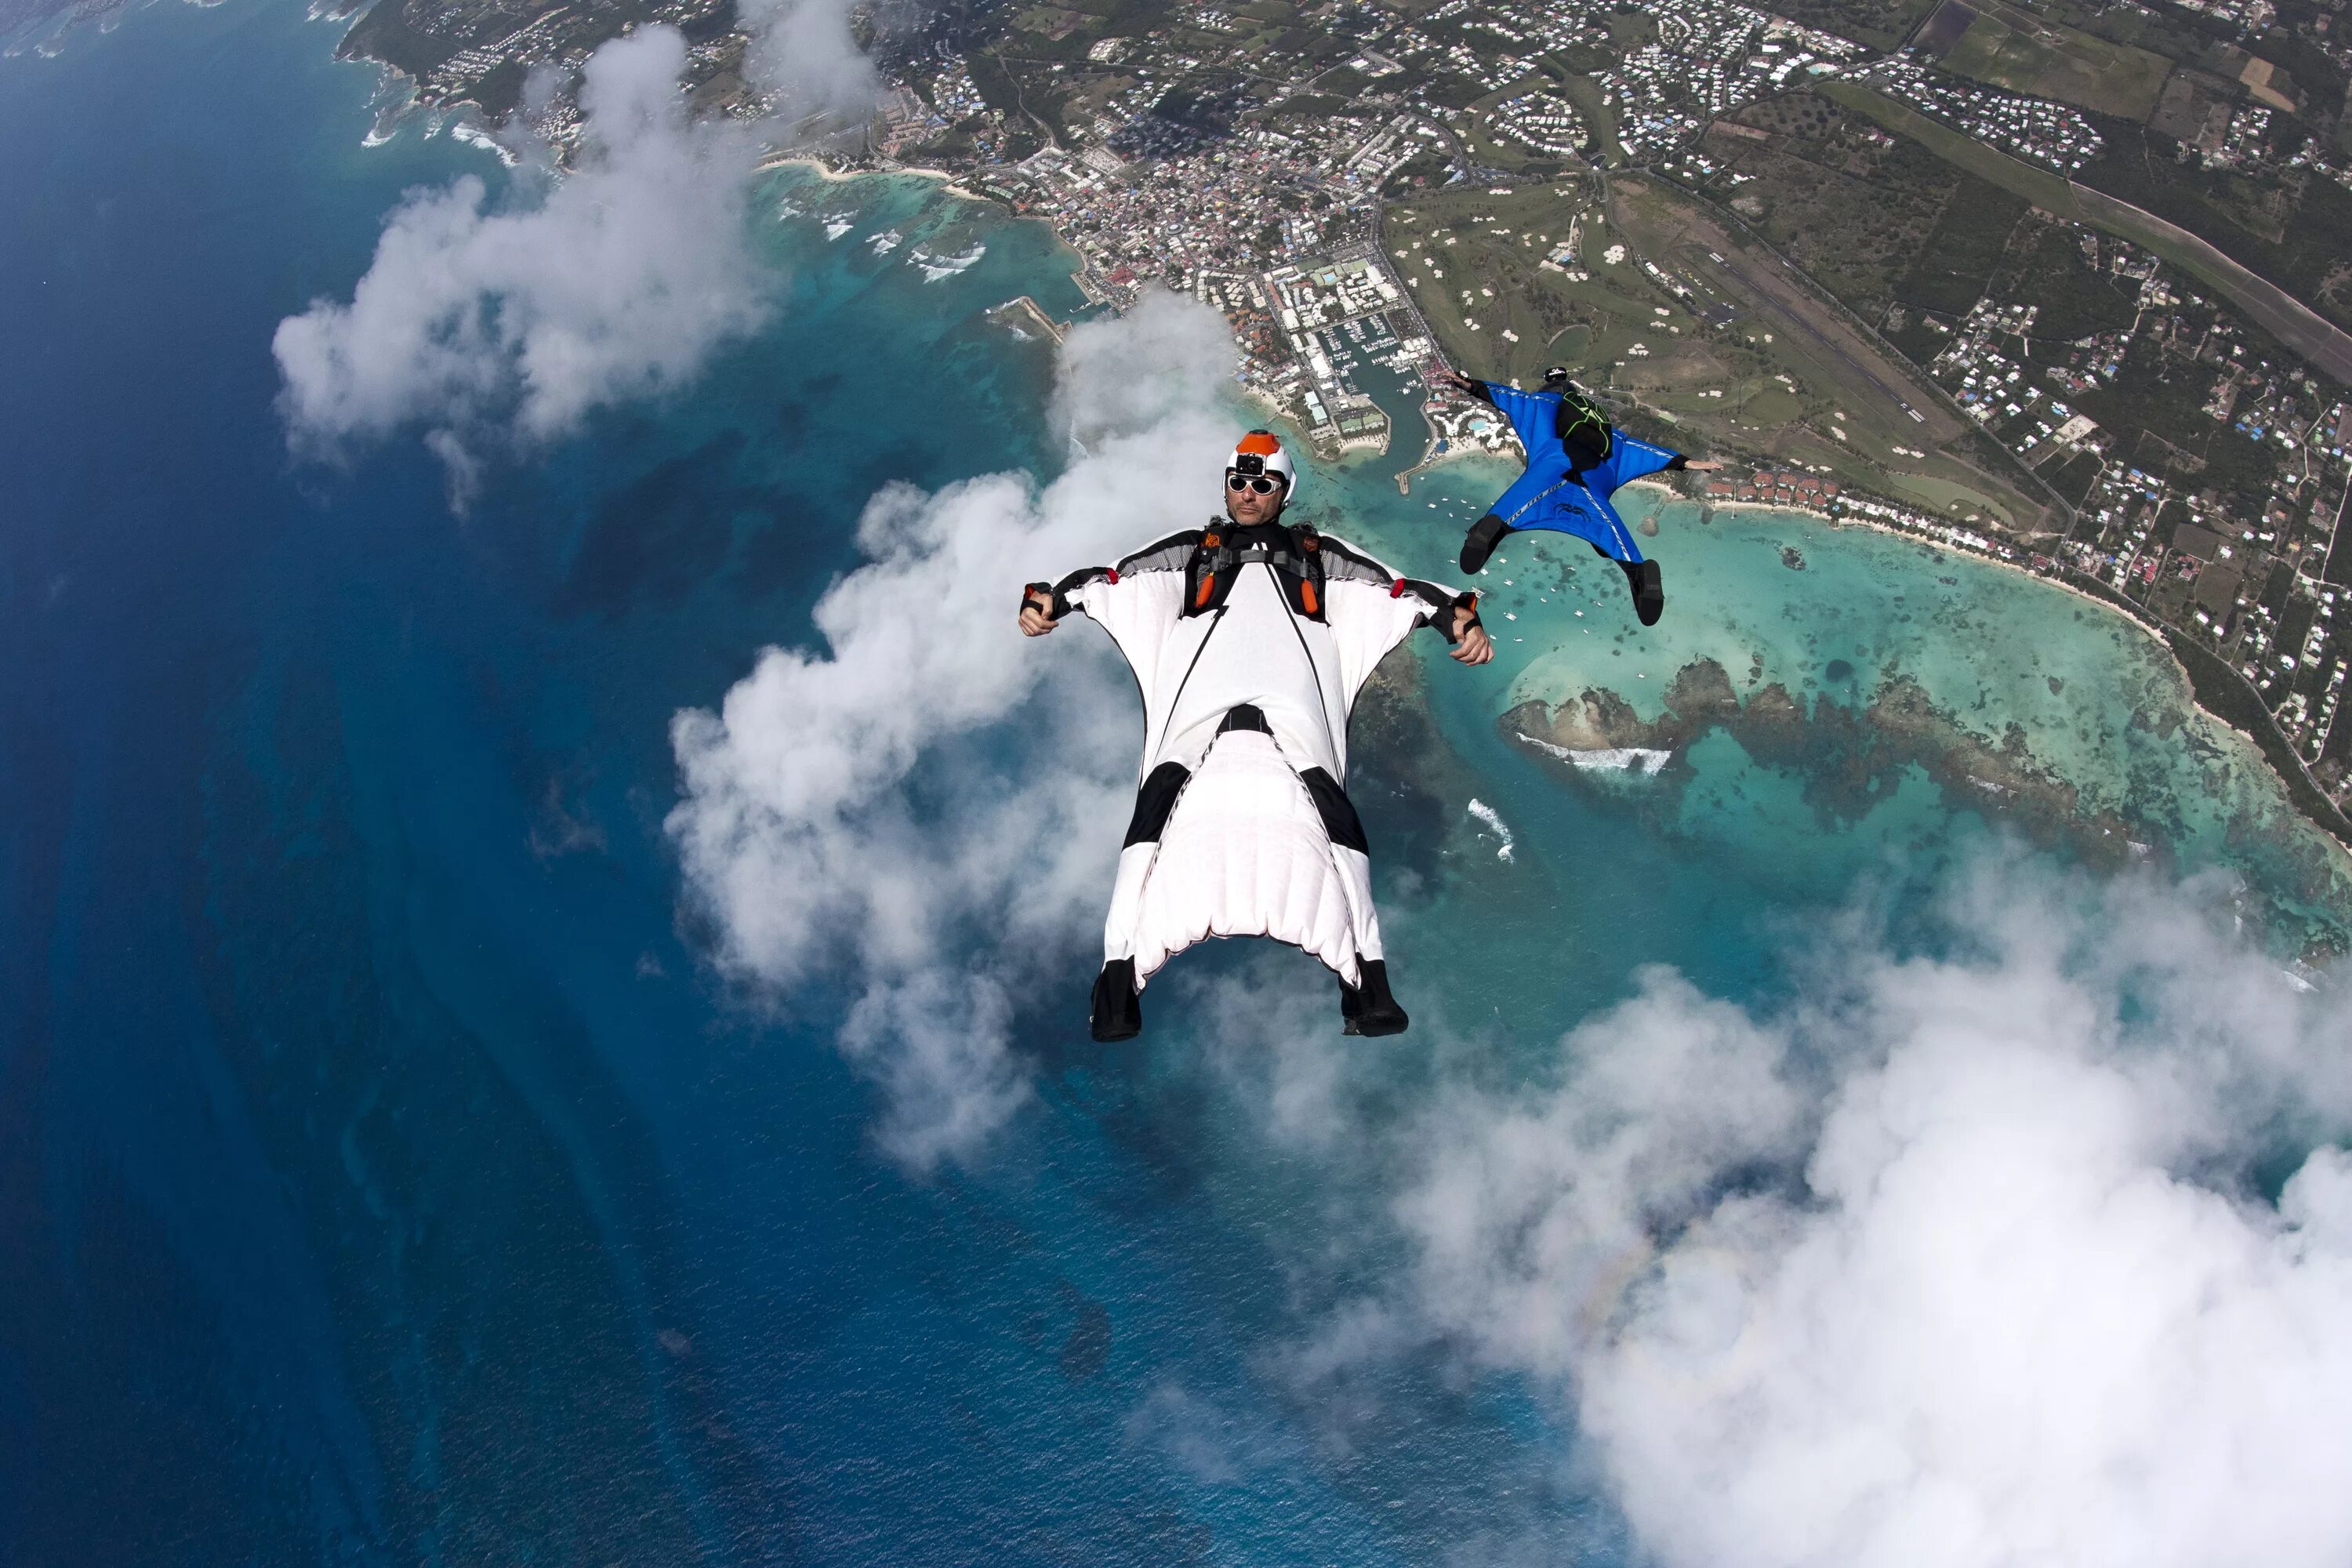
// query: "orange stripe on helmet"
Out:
[1260,444]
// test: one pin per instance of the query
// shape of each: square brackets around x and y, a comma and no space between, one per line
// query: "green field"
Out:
[2048,191]
[1949,499]
[1855,214]
[1971,237]
[2012,50]
[1599,119]
[1461,234]
[1839,407]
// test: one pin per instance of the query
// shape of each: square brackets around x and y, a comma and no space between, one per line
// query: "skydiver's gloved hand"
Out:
[1454,381]
[1471,643]
[1038,610]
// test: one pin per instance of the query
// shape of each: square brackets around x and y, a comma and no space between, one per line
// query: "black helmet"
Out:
[1556,379]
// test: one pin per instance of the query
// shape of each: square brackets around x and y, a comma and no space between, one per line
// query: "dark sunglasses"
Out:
[1260,484]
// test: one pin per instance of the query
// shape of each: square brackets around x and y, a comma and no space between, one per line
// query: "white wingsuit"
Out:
[1250,644]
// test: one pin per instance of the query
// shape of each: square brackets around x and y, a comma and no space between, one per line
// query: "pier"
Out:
[1024,312]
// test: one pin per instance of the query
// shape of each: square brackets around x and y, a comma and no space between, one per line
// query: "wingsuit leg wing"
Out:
[1139,602]
[1117,1011]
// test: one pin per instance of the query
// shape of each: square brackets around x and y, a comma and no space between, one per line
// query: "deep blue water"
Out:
[384,1174]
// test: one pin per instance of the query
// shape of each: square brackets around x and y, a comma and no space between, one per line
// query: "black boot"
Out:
[1649,594]
[1485,534]
[1368,1010]
[1118,1008]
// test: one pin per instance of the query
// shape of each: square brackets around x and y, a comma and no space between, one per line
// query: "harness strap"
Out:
[1215,563]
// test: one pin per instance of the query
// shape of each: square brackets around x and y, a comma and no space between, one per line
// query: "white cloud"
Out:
[1522,1197]
[478,321]
[460,467]
[1197,1437]
[1158,368]
[1959,1262]
[933,802]
[803,53]
[935,1041]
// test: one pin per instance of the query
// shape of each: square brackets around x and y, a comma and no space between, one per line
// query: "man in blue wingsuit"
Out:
[1576,459]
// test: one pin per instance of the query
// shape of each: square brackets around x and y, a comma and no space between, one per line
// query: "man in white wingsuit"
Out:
[1250,639]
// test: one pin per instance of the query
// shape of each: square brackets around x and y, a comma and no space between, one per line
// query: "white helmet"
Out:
[1259,454]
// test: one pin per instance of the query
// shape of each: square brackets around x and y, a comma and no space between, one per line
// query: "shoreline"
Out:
[1431,462]
[1078,275]
[1873,525]
[770,163]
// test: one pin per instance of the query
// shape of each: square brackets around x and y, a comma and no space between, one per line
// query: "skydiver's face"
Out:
[1246,506]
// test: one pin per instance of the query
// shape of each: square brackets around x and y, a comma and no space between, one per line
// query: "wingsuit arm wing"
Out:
[1630,459]
[1136,601]
[1531,414]
[1372,608]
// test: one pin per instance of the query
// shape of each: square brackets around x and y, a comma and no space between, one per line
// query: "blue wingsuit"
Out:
[1552,494]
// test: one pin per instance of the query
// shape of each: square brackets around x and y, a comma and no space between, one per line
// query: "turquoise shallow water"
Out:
[1830,615]
[385,1175]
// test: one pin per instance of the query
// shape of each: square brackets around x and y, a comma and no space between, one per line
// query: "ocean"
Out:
[386,1174]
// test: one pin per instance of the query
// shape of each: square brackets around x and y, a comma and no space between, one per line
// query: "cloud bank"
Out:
[518,317]
[929,783]
[1965,1261]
